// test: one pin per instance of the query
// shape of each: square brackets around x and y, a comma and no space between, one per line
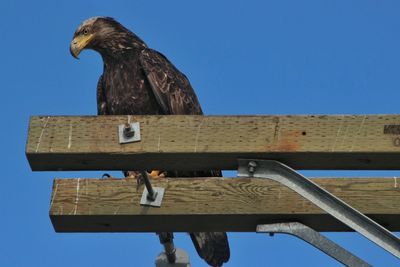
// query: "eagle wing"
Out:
[173,93]
[176,96]
[101,99]
[170,87]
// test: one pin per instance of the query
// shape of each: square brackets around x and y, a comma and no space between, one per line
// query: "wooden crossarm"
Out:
[213,204]
[215,142]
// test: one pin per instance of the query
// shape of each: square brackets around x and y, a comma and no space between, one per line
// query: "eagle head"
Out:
[104,35]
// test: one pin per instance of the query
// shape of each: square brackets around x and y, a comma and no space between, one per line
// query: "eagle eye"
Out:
[85,31]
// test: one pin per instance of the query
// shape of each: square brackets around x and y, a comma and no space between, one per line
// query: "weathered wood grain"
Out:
[215,142]
[213,204]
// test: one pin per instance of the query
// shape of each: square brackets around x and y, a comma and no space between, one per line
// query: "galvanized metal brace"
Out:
[277,171]
[315,239]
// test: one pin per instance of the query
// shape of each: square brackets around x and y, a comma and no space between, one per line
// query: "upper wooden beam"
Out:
[213,204]
[215,142]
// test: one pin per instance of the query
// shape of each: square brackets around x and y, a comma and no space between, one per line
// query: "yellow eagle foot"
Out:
[158,174]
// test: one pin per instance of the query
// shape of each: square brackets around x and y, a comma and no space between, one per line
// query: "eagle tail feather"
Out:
[213,247]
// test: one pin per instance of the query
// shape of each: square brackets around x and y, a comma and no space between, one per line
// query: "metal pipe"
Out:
[167,240]
[315,239]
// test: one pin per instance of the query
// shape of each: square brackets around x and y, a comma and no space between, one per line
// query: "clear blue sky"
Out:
[253,57]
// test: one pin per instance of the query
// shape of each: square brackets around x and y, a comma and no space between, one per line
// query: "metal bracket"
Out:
[152,196]
[182,259]
[159,194]
[129,132]
[171,257]
[315,239]
[277,171]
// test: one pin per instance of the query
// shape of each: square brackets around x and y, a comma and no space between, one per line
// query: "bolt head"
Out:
[128,131]
[252,166]
[127,127]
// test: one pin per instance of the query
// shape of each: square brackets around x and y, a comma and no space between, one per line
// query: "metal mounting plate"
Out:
[135,128]
[182,259]
[158,191]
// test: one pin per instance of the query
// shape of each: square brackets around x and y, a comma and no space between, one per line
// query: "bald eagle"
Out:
[138,80]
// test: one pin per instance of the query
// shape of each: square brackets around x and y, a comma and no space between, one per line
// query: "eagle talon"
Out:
[134,175]
[139,181]
[106,176]
[158,174]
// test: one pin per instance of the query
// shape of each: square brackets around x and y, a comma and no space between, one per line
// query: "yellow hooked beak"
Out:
[79,43]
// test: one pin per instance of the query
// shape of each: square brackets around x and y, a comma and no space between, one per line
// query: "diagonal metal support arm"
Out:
[285,175]
[315,239]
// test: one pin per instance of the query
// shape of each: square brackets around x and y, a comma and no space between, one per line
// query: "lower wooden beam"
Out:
[213,204]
